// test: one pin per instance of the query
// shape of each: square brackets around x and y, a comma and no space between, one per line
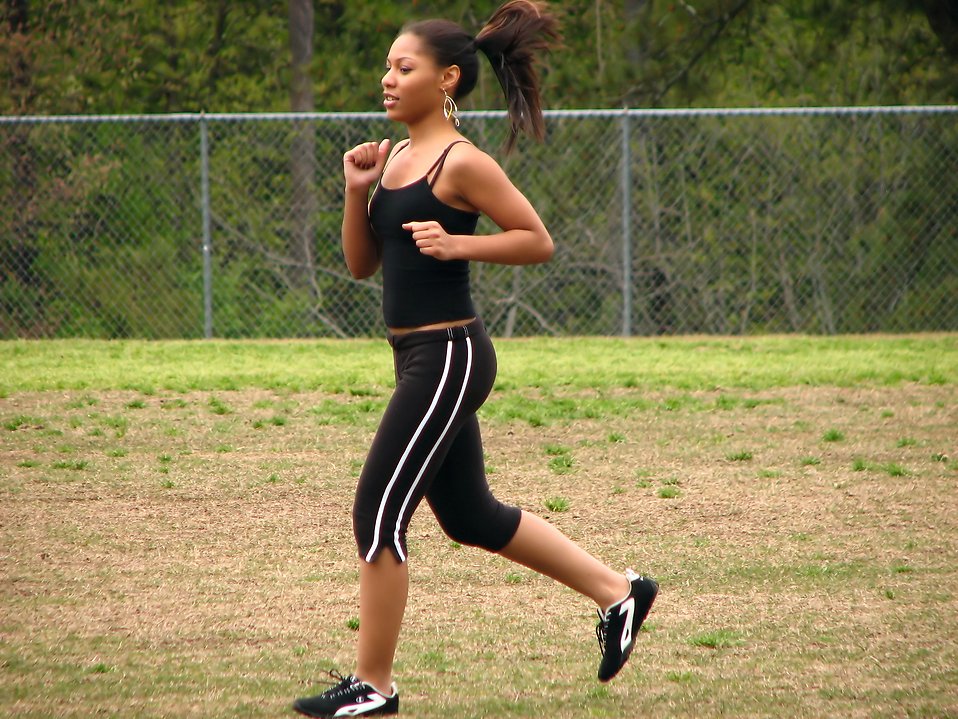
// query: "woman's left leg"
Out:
[469,513]
[543,548]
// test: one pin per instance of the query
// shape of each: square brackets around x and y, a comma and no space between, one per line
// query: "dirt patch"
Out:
[191,554]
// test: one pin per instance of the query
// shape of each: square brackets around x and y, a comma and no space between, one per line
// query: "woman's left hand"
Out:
[432,240]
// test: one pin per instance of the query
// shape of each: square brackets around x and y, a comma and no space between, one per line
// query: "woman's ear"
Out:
[450,78]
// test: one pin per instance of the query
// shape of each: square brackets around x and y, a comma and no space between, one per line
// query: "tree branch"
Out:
[723,22]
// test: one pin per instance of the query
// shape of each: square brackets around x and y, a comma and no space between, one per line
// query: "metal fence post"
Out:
[207,235]
[626,227]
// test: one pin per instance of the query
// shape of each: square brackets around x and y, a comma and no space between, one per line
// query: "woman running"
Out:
[420,228]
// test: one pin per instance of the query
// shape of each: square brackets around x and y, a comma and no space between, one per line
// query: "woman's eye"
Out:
[405,70]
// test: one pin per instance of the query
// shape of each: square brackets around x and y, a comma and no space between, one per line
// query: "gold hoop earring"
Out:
[449,107]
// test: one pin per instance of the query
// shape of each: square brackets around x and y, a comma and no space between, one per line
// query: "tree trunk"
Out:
[943,19]
[19,251]
[303,149]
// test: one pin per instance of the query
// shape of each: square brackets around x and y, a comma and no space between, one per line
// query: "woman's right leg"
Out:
[383,589]
[439,385]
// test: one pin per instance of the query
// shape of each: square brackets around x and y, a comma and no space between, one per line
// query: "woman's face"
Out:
[413,81]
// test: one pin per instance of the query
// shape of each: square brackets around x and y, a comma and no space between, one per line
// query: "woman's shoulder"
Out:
[468,162]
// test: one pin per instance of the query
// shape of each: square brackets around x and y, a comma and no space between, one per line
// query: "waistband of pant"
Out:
[447,334]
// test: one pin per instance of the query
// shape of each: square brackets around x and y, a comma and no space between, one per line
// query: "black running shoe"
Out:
[619,624]
[350,697]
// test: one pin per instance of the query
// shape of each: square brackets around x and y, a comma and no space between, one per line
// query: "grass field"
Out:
[175,537]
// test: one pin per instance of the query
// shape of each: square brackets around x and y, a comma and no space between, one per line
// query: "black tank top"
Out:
[418,289]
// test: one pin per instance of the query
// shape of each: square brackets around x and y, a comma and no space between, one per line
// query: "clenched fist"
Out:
[363,165]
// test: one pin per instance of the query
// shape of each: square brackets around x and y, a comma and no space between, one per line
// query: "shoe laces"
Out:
[602,629]
[340,684]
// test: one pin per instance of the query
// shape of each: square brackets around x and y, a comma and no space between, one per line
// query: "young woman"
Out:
[419,227]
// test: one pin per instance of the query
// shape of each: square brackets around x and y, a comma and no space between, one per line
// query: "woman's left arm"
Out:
[482,183]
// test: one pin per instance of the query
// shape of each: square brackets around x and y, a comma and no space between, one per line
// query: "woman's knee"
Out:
[491,530]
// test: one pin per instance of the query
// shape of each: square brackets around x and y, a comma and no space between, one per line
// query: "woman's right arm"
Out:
[362,167]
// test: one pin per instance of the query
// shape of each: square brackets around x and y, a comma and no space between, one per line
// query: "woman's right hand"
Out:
[363,165]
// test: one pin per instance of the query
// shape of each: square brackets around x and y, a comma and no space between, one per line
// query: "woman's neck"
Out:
[431,131]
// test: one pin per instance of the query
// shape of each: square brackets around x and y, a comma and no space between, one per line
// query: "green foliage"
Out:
[106,56]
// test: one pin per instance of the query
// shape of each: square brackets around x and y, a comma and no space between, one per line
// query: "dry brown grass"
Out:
[210,570]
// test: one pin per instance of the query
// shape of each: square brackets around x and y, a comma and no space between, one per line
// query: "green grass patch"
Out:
[557,504]
[336,412]
[119,424]
[77,465]
[218,406]
[894,469]
[23,422]
[716,639]
[82,402]
[276,421]
[682,363]
[562,464]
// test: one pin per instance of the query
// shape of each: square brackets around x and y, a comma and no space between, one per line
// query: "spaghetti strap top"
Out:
[418,289]
[432,174]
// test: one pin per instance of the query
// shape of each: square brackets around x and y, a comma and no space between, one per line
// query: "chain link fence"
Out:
[839,220]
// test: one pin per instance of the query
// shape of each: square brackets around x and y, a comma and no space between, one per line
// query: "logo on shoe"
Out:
[363,705]
[627,608]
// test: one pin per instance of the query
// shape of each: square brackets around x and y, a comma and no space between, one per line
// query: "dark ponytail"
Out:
[510,39]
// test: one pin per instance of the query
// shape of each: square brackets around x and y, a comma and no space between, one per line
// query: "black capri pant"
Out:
[428,445]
